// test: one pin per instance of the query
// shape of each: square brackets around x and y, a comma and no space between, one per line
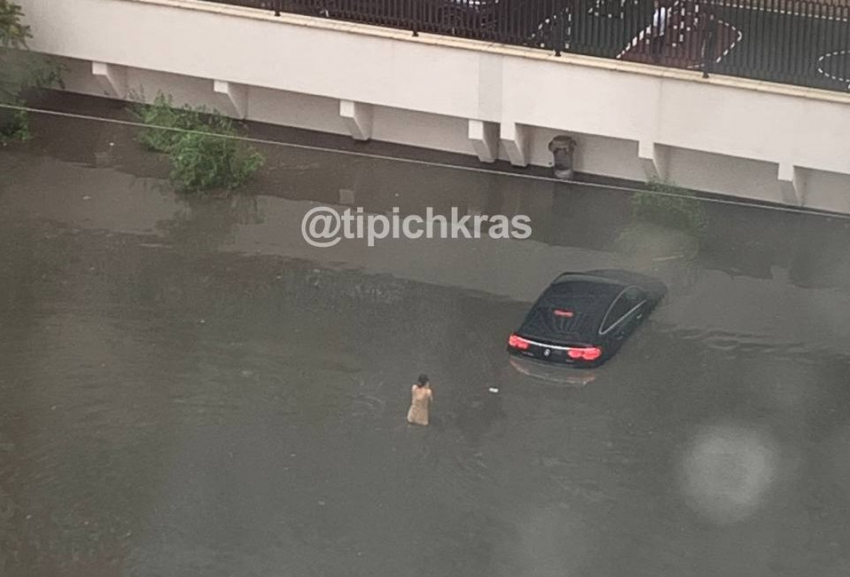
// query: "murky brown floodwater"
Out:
[188,389]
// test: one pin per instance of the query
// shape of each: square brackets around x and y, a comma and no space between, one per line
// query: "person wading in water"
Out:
[421,396]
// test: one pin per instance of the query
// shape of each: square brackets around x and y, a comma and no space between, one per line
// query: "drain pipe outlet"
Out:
[562,148]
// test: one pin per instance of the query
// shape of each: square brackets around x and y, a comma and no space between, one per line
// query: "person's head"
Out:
[422,381]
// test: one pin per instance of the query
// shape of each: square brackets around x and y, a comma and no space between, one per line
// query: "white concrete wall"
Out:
[421,129]
[296,110]
[751,179]
[827,190]
[721,135]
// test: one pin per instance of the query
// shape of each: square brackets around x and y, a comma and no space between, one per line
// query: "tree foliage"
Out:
[20,70]
[668,205]
[202,145]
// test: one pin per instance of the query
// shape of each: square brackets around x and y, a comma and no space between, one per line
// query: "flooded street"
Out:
[187,388]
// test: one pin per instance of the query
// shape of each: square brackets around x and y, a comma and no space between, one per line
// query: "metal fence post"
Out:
[708,25]
[557,36]
[414,4]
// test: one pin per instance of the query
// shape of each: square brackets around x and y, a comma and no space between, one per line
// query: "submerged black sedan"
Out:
[582,319]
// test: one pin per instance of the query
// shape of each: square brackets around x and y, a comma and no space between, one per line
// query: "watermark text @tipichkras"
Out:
[325,226]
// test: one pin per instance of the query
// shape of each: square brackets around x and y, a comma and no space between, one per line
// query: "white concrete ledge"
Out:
[233,98]
[485,140]
[654,159]
[112,79]
[792,184]
[515,140]
[358,119]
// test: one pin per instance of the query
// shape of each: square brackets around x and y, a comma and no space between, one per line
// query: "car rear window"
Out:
[570,312]
[542,322]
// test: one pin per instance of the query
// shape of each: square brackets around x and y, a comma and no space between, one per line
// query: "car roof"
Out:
[573,277]
[593,296]
[651,286]
[587,297]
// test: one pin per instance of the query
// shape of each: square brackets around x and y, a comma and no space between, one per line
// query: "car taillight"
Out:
[592,353]
[516,342]
[588,354]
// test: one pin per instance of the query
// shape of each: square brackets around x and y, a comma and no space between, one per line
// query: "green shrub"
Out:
[202,145]
[20,70]
[670,206]
[174,123]
[203,162]
[14,125]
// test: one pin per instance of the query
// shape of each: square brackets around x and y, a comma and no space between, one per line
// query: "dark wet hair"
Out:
[422,380]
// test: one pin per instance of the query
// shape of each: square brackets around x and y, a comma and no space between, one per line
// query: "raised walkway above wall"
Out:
[631,121]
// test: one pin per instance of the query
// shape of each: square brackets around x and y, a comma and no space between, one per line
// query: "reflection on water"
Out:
[727,471]
[557,375]
[210,221]
[189,389]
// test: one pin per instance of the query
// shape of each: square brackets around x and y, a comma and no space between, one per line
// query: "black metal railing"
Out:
[801,42]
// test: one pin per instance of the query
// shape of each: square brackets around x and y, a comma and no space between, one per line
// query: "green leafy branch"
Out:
[20,70]
[202,145]
[668,205]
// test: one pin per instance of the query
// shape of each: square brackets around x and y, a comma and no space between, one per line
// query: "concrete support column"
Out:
[111,78]
[358,119]
[233,97]
[792,183]
[654,158]
[515,140]
[485,140]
